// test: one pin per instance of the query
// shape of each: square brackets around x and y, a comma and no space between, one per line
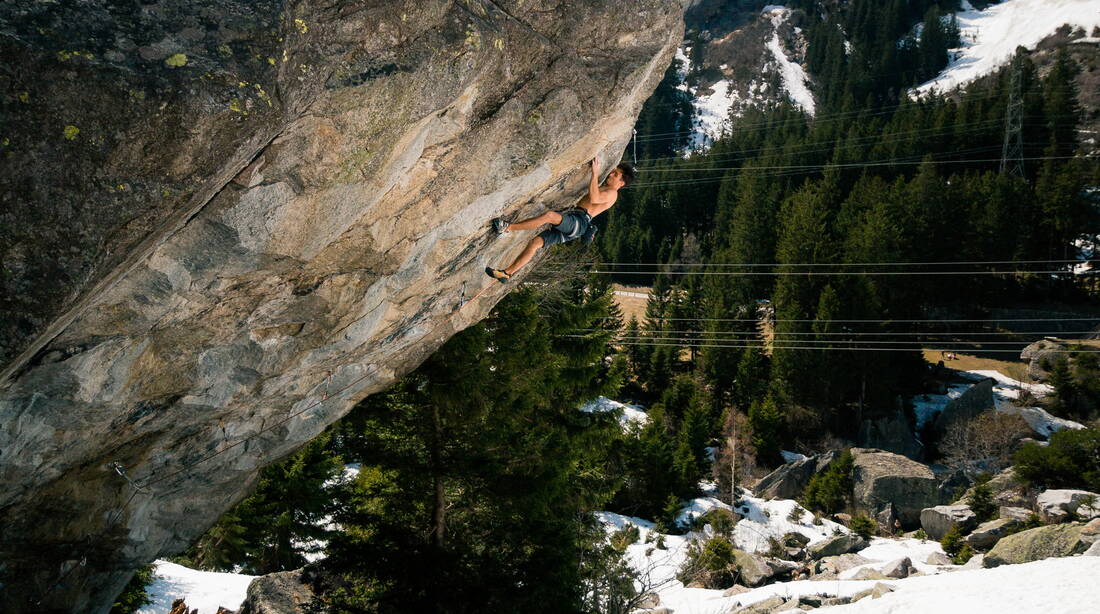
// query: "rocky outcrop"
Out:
[285,592]
[977,399]
[1036,544]
[939,520]
[1038,356]
[237,219]
[788,481]
[891,433]
[1060,505]
[882,478]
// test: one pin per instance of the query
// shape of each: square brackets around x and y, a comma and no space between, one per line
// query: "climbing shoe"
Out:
[497,274]
[500,226]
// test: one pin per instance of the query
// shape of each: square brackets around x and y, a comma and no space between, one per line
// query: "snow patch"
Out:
[204,591]
[631,414]
[990,37]
[794,76]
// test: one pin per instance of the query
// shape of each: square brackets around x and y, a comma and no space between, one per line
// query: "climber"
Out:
[572,224]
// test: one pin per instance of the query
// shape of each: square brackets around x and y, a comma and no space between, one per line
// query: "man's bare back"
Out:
[566,227]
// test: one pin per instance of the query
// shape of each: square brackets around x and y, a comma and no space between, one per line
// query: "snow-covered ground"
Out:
[795,80]
[631,414]
[204,591]
[1054,585]
[990,37]
[1006,395]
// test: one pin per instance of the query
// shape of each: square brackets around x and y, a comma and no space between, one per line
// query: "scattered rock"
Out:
[754,568]
[868,573]
[881,589]
[841,563]
[989,533]
[976,562]
[788,481]
[901,568]
[842,518]
[1060,505]
[769,605]
[861,594]
[810,601]
[832,601]
[1036,544]
[736,589]
[937,521]
[836,545]
[937,558]
[882,477]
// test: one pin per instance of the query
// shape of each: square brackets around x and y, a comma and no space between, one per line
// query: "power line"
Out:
[851,333]
[832,264]
[818,349]
[824,273]
[770,342]
[878,321]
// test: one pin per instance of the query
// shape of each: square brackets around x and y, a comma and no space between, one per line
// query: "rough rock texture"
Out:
[836,546]
[754,569]
[224,223]
[788,481]
[937,521]
[989,533]
[278,593]
[937,558]
[1037,354]
[840,563]
[1014,513]
[891,433]
[1036,544]
[882,477]
[975,400]
[901,568]
[1059,505]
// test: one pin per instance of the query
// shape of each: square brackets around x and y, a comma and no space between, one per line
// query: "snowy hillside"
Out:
[990,36]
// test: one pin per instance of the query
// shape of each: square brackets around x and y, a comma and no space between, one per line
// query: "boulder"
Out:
[836,545]
[881,589]
[976,562]
[952,481]
[276,593]
[937,558]
[833,601]
[1037,354]
[736,589]
[840,563]
[868,573]
[788,481]
[1094,550]
[754,569]
[1060,505]
[1006,489]
[975,400]
[1091,531]
[881,478]
[891,433]
[937,521]
[989,533]
[900,568]
[1035,544]
[772,604]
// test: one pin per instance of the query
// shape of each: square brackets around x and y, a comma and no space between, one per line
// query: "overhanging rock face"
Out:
[223,223]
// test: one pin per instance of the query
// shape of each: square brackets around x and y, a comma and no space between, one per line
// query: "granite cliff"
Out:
[224,222]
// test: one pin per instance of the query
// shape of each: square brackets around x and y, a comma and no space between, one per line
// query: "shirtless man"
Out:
[569,225]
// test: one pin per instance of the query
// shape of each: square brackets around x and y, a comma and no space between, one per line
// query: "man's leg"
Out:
[550,217]
[525,256]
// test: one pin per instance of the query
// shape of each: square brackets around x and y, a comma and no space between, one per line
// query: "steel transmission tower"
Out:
[1012,154]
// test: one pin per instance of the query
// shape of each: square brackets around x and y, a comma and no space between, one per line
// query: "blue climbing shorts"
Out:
[573,225]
